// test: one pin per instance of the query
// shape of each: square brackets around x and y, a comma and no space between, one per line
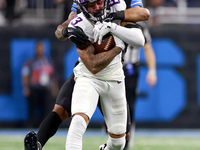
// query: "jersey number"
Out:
[74,22]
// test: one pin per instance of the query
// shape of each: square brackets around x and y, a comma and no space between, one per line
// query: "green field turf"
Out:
[89,143]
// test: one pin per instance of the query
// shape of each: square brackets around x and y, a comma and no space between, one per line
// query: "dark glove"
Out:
[119,15]
[76,35]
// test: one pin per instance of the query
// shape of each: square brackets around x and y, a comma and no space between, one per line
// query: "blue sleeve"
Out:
[73,9]
[136,3]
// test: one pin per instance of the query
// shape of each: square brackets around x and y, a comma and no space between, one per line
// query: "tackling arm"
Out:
[136,13]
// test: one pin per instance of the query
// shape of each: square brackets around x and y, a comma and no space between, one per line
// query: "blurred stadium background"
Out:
[174,103]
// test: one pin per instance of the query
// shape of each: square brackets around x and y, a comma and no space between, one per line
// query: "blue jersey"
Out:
[136,3]
[133,4]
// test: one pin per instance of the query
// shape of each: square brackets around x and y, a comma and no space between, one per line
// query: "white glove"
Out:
[101,29]
[119,42]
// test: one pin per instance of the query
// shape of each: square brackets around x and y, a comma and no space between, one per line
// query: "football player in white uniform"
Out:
[100,78]
[62,108]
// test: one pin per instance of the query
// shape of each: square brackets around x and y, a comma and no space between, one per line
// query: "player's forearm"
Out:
[136,13]
[102,60]
[150,56]
[151,77]
[58,32]
[97,62]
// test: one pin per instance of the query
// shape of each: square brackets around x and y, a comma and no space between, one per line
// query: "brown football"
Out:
[107,44]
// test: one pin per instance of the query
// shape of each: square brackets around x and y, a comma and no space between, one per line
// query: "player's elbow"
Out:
[145,14]
[137,39]
[141,41]
[58,34]
[94,71]
[94,68]
[140,38]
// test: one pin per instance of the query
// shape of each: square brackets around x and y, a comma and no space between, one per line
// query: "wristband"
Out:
[152,71]
[65,32]
[120,15]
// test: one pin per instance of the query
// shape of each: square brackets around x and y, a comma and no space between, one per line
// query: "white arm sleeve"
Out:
[132,36]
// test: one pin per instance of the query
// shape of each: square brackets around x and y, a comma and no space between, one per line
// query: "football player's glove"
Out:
[76,35]
[101,29]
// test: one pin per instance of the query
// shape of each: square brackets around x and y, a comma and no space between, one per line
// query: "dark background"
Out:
[185,36]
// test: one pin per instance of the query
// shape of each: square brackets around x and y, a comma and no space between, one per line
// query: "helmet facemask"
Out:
[97,16]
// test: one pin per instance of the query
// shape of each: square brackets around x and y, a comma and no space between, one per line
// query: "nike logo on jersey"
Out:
[118,82]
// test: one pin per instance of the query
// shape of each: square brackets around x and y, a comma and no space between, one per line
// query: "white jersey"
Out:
[114,71]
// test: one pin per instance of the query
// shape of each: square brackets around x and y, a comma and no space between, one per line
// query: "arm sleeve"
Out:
[130,34]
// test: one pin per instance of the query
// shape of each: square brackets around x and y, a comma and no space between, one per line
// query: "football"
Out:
[107,44]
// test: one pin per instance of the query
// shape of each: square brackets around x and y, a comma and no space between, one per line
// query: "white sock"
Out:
[75,133]
[115,143]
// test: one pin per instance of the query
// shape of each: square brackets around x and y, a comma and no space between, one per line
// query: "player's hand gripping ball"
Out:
[77,36]
[107,44]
